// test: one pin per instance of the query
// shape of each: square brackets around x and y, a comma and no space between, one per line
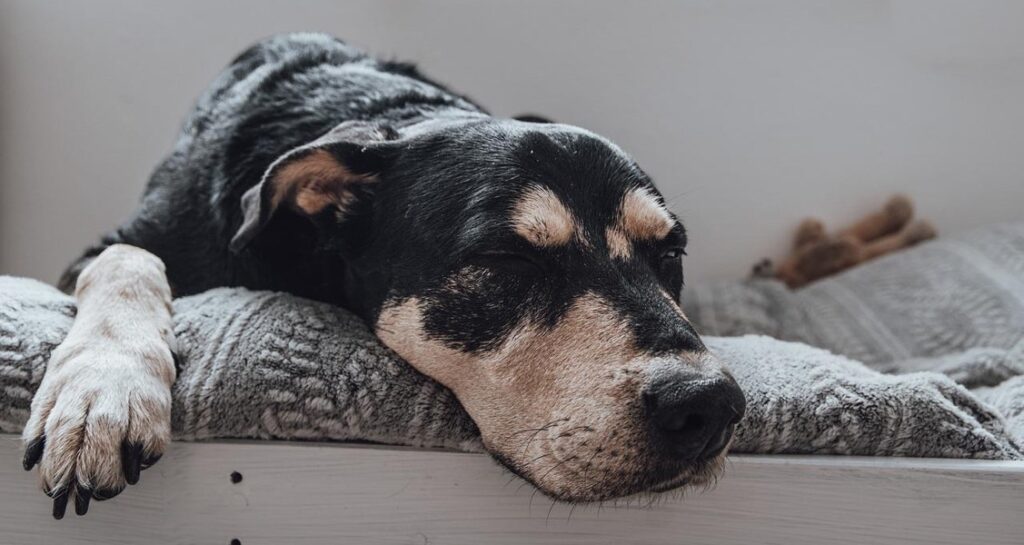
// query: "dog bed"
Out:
[269,365]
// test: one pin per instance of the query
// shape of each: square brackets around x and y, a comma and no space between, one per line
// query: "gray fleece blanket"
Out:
[269,365]
[953,306]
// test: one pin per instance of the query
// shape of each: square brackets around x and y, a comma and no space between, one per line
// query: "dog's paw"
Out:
[98,418]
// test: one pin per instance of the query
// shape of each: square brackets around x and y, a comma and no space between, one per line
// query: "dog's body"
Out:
[276,96]
[532,268]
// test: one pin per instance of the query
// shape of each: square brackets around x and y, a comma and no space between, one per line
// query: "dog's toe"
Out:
[60,502]
[33,452]
[82,496]
[131,461]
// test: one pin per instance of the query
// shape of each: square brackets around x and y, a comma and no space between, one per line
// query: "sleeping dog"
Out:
[530,267]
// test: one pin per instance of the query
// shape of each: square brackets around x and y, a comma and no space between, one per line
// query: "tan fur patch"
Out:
[314,182]
[641,217]
[618,245]
[540,217]
[587,337]
[559,404]
[574,382]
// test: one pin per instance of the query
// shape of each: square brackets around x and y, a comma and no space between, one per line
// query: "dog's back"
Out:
[280,93]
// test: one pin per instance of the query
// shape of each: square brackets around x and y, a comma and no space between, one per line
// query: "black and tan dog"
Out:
[532,268]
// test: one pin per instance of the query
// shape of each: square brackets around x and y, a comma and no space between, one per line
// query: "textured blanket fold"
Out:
[268,365]
[953,306]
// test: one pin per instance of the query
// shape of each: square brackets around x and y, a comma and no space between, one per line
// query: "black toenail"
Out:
[33,452]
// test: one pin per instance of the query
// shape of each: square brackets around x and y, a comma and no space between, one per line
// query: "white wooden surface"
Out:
[310,493]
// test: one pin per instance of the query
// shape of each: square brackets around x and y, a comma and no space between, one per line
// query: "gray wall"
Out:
[749,114]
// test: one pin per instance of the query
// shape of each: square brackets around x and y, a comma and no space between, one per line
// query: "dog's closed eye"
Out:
[673,253]
[509,262]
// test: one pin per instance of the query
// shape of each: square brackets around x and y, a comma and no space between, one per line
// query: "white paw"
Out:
[101,414]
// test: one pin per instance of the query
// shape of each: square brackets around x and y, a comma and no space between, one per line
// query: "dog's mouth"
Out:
[575,480]
[701,474]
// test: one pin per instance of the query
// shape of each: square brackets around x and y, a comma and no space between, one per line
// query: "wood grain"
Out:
[313,493]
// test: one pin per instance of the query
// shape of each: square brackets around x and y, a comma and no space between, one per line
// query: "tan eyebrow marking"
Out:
[641,217]
[540,217]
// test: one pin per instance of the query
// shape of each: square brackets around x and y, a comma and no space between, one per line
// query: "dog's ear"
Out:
[322,175]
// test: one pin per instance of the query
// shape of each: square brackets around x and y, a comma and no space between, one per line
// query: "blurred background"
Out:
[749,115]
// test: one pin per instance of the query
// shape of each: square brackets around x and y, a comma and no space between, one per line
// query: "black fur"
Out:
[449,174]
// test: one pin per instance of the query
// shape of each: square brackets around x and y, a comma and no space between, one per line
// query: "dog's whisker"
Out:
[529,507]
[541,457]
[538,431]
[571,509]
[554,467]
[528,430]
[550,509]
[589,465]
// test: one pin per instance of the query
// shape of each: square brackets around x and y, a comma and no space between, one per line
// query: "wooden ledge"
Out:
[313,493]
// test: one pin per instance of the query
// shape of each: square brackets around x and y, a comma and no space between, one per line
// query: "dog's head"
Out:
[534,270]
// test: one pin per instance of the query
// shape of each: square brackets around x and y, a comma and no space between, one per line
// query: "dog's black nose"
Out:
[693,416]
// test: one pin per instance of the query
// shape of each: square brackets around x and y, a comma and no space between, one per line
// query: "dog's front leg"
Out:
[103,410]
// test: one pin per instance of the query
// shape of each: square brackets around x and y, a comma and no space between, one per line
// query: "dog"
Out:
[531,267]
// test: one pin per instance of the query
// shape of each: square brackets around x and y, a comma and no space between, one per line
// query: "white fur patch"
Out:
[109,381]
